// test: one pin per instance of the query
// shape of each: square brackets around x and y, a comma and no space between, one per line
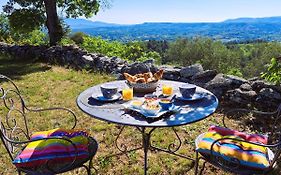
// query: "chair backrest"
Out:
[266,122]
[13,123]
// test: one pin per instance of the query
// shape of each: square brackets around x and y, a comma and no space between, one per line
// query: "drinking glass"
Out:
[167,90]
[128,94]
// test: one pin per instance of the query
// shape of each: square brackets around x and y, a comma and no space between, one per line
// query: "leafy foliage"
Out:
[273,73]
[26,20]
[28,15]
[74,9]
[211,54]
[8,35]
[36,38]
[4,28]
[133,51]
[78,37]
[247,60]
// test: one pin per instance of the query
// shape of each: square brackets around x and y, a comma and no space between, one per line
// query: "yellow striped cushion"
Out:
[248,154]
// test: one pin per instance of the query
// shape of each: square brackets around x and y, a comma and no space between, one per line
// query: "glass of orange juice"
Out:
[167,90]
[128,94]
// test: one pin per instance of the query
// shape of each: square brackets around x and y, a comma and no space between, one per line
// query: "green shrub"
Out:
[78,37]
[273,73]
[133,51]
[35,38]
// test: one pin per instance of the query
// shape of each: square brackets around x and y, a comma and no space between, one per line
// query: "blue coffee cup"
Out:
[187,90]
[108,90]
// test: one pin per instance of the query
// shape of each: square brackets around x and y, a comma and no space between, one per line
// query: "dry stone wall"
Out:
[231,90]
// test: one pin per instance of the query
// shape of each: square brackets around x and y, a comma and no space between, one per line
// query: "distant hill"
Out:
[276,19]
[84,23]
[233,30]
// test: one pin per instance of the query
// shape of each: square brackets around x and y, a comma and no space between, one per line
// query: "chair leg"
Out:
[203,167]
[90,166]
[196,163]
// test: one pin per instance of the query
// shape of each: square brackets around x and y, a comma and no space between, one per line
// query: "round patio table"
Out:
[114,112]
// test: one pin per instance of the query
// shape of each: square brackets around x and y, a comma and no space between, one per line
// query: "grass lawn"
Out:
[47,86]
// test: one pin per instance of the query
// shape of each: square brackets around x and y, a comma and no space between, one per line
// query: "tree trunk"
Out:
[53,23]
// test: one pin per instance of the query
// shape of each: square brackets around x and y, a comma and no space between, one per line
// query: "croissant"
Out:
[147,76]
[140,80]
[139,75]
[130,78]
[158,75]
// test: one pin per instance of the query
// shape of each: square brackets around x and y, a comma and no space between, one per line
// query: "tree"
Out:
[27,15]
[4,28]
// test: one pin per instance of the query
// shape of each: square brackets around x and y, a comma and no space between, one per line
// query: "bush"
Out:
[35,38]
[78,37]
[273,73]
[133,51]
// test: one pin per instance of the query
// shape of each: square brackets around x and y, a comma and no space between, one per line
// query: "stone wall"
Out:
[231,90]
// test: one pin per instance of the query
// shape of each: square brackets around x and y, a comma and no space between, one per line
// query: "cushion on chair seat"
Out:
[58,132]
[53,151]
[257,138]
[248,154]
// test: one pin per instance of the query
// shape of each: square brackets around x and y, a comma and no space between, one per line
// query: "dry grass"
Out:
[46,86]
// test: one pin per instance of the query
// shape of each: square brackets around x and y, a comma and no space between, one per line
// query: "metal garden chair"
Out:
[15,131]
[267,123]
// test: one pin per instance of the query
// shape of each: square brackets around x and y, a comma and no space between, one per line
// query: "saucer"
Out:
[196,96]
[100,97]
[173,108]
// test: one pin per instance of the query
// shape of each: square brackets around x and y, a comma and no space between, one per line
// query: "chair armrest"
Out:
[54,109]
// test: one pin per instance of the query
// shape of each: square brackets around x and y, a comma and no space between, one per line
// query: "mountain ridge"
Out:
[273,19]
[232,30]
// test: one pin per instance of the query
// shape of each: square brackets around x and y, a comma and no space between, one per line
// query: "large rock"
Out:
[219,85]
[171,73]
[260,84]
[268,98]
[236,81]
[201,79]
[137,68]
[116,60]
[240,97]
[149,61]
[246,87]
[192,70]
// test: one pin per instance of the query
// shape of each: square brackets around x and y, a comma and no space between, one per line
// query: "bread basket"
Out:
[143,87]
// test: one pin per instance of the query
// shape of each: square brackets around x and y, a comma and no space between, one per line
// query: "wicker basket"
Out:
[143,87]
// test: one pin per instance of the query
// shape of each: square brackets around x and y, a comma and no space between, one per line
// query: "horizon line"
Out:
[219,21]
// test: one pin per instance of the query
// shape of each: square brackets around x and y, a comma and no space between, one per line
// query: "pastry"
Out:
[147,76]
[158,75]
[130,78]
[140,80]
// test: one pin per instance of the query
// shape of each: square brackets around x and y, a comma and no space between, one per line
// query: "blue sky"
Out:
[139,11]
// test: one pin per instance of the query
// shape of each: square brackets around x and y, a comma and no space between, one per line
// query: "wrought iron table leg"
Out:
[146,144]
[172,150]
[123,149]
[145,139]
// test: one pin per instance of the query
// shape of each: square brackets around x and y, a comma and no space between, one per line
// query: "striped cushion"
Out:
[257,138]
[37,153]
[248,154]
[58,132]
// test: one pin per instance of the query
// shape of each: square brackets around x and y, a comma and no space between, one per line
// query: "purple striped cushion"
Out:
[37,153]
